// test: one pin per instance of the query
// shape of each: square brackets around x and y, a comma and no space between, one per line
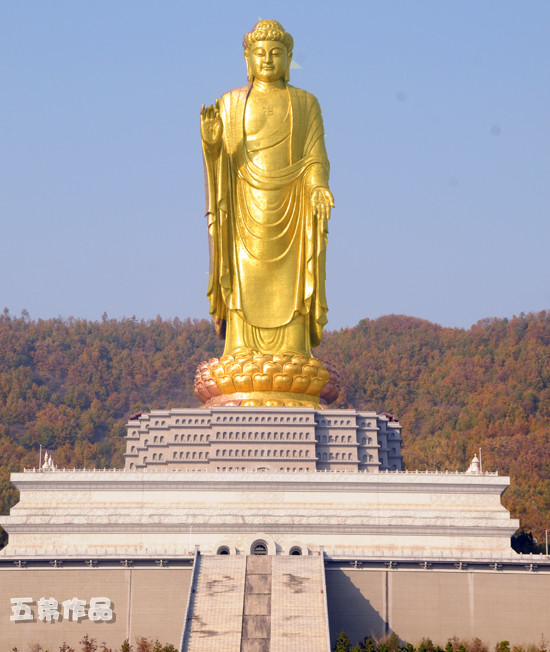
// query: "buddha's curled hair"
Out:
[268,30]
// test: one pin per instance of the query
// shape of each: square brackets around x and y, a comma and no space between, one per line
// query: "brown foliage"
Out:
[455,391]
[71,385]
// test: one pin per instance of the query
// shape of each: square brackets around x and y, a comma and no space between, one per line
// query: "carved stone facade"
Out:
[161,512]
[263,439]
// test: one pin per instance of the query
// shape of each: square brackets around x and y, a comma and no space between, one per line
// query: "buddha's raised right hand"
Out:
[211,126]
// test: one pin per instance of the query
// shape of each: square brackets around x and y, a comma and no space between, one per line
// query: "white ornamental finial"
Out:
[474,466]
[48,463]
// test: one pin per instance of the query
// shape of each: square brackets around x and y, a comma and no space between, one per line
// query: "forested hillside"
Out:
[71,385]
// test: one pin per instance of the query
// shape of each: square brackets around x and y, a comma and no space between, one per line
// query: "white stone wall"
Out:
[152,513]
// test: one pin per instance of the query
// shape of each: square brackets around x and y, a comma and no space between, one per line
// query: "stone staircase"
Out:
[257,604]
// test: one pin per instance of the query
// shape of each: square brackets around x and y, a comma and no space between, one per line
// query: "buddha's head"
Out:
[268,52]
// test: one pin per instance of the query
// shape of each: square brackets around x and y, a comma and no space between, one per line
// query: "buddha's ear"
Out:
[287,70]
[249,74]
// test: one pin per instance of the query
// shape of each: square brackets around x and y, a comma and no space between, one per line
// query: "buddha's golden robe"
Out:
[267,250]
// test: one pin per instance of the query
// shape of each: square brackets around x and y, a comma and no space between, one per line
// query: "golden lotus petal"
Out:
[323,373]
[316,386]
[282,357]
[211,387]
[282,382]
[330,392]
[299,359]
[260,358]
[251,402]
[225,383]
[292,369]
[251,368]
[201,392]
[233,369]
[272,368]
[300,384]
[243,383]
[261,382]
[309,370]
[217,372]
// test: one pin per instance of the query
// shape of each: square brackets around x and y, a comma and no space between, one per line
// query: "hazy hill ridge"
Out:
[71,385]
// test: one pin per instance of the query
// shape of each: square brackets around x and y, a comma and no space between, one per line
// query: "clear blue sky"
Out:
[437,120]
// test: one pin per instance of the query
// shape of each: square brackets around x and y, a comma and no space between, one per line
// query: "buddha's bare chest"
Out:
[265,111]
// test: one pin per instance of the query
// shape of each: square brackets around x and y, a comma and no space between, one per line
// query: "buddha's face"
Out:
[267,60]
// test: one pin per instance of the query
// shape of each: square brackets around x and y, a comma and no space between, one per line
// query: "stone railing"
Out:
[258,472]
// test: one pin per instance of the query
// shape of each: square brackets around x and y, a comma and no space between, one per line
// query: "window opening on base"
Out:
[259,548]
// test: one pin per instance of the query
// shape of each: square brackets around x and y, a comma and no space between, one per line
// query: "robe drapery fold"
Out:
[267,249]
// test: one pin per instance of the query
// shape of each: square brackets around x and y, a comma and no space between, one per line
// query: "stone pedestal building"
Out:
[263,439]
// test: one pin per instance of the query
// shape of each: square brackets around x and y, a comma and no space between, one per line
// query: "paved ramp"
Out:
[216,609]
[257,604]
[299,617]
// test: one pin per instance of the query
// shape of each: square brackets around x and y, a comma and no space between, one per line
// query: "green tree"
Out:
[369,645]
[343,643]
[426,645]
[502,646]
[158,647]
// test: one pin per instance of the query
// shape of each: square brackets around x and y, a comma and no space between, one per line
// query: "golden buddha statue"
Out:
[268,205]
